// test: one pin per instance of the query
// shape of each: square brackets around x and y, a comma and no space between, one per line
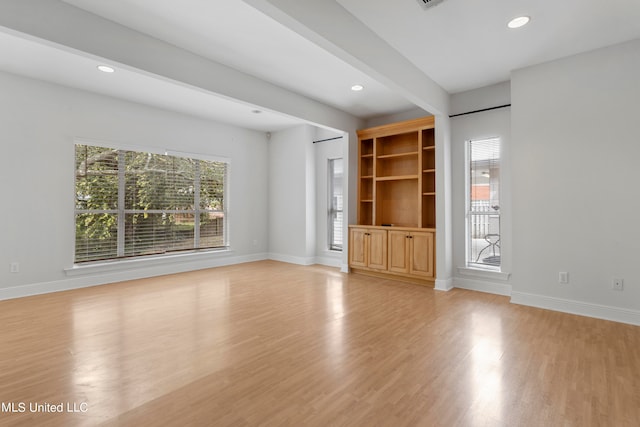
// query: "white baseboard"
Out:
[597,311]
[550,303]
[321,260]
[111,273]
[329,262]
[443,284]
[482,286]
[292,259]
[78,280]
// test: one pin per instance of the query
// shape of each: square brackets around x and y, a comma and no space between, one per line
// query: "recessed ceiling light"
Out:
[357,88]
[519,22]
[106,69]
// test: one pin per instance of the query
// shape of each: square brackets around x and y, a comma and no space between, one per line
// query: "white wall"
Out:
[414,113]
[39,122]
[575,153]
[277,186]
[487,124]
[478,99]
[292,195]
[298,195]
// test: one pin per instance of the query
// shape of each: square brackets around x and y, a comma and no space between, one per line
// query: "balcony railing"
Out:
[484,228]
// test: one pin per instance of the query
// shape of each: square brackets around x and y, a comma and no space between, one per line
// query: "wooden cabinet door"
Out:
[357,247]
[399,251]
[377,249]
[422,254]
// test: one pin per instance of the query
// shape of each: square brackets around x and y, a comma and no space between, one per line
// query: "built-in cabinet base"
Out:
[400,277]
[402,253]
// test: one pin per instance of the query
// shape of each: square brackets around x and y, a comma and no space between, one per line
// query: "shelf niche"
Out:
[397,174]
[396,204]
[428,178]
[365,184]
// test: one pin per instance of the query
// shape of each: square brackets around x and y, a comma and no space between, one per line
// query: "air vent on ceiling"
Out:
[429,3]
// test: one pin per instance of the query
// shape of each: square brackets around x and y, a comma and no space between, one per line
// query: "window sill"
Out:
[484,274]
[143,262]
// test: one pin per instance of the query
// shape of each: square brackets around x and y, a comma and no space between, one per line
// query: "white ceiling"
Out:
[465,44]
[459,44]
[235,34]
[30,58]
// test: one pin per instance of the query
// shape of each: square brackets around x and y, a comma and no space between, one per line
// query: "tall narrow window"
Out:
[131,203]
[483,204]
[336,173]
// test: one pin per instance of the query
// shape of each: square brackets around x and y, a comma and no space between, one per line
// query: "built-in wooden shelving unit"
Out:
[396,192]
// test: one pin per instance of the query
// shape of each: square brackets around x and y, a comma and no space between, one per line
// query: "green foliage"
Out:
[96,236]
[212,179]
[153,185]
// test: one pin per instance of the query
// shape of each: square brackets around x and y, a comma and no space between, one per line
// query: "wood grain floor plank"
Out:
[274,344]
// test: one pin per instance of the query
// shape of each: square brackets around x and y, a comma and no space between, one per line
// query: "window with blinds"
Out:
[336,173]
[131,203]
[483,204]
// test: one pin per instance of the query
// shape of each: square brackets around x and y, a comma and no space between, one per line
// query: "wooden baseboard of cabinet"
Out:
[395,276]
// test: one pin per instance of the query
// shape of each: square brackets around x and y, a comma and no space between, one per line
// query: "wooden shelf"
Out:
[396,128]
[396,155]
[397,174]
[396,177]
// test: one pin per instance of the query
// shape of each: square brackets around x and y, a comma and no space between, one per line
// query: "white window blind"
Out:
[336,173]
[131,203]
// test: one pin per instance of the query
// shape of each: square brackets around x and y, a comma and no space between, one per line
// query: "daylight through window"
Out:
[131,203]
[483,204]
[336,173]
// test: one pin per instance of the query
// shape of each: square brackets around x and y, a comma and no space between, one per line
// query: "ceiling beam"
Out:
[64,26]
[330,26]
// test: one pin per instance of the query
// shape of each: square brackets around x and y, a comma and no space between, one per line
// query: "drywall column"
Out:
[444,242]
[291,198]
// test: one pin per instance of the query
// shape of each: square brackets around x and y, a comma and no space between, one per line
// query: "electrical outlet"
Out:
[563,277]
[15,267]
[617,284]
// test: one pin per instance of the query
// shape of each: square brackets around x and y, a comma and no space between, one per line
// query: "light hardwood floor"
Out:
[274,344]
